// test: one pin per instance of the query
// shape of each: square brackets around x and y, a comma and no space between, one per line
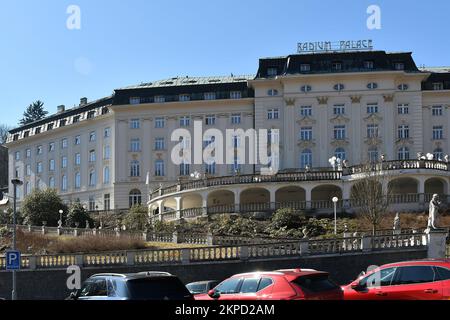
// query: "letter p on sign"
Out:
[12,260]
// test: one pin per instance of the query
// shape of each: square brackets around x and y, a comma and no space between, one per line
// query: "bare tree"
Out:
[371,194]
[4,133]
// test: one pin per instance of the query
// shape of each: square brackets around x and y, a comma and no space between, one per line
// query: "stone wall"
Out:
[51,284]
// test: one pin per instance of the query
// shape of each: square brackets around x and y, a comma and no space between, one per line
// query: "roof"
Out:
[419,262]
[133,276]
[436,69]
[190,81]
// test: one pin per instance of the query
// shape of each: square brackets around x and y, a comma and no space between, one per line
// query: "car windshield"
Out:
[315,283]
[161,288]
[197,287]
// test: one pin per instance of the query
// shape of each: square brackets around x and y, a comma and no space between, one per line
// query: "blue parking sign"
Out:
[13,260]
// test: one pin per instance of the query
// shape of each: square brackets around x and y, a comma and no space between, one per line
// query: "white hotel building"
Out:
[355,105]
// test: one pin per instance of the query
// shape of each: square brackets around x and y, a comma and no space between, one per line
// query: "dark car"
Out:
[135,286]
[200,287]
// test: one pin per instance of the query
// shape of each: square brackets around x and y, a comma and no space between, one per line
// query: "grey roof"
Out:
[190,81]
[436,69]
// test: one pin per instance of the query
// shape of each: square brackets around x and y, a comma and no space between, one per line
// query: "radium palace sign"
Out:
[337,46]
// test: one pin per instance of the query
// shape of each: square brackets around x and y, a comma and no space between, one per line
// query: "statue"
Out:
[397,221]
[87,225]
[433,212]
[60,223]
[446,158]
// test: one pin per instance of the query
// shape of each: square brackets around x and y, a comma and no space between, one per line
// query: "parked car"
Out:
[411,280]
[201,287]
[135,286]
[291,284]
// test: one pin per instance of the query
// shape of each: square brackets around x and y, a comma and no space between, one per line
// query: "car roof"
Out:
[203,282]
[289,273]
[435,262]
[133,276]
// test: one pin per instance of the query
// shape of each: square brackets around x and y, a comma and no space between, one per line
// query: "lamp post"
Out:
[60,215]
[335,200]
[16,183]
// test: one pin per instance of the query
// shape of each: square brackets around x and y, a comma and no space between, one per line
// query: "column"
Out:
[321,159]
[389,136]
[357,135]
[178,203]
[308,190]
[172,172]
[272,192]
[205,204]
[289,134]
[237,194]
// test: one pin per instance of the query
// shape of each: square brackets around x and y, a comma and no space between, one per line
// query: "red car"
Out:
[412,280]
[292,284]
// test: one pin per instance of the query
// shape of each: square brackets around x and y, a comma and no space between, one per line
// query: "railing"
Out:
[399,165]
[413,240]
[404,198]
[338,245]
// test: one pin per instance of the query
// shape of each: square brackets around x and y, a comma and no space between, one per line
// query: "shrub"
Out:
[77,213]
[42,205]
[136,218]
[235,226]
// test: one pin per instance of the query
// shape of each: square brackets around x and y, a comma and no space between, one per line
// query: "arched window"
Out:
[340,154]
[27,188]
[438,154]
[135,198]
[373,154]
[64,183]
[92,178]
[51,182]
[77,180]
[135,168]
[306,159]
[403,153]
[106,175]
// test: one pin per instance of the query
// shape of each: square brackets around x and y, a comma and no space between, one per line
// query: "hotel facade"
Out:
[360,107]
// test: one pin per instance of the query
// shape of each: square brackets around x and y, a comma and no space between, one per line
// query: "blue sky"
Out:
[127,42]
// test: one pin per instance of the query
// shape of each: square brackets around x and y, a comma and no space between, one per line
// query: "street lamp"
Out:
[16,183]
[60,216]
[335,200]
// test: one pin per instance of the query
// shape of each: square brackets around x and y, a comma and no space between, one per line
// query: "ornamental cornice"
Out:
[373,118]
[322,100]
[373,141]
[306,143]
[340,143]
[290,102]
[340,119]
[356,99]
[388,97]
[306,120]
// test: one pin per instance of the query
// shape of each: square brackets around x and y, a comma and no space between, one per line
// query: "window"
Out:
[272,92]
[306,159]
[135,168]
[368,65]
[229,286]
[372,108]
[51,183]
[373,154]
[444,274]
[51,147]
[338,109]
[436,110]
[92,136]
[64,143]
[135,100]
[272,114]
[77,159]
[272,72]
[339,132]
[210,120]
[305,88]
[77,140]
[135,145]
[306,111]
[159,144]
[305,67]
[159,168]
[210,96]
[134,198]
[106,152]
[210,168]
[372,131]
[403,153]
[336,66]
[403,132]
[315,283]
[105,110]
[235,118]
[184,97]
[94,288]
[39,167]
[91,203]
[28,153]
[107,132]
[339,87]
[92,178]
[264,283]
[106,175]
[249,285]
[399,66]
[37,130]
[185,121]
[27,188]
[438,154]
[77,180]
[26,134]
[62,123]
[380,278]
[107,201]
[64,162]
[90,114]
[28,170]
[39,150]
[403,109]
[415,274]
[92,156]
[159,122]
[372,86]
[64,183]
[339,153]
[235,95]
[135,124]
[306,134]
[184,169]
[51,165]
[16,173]
[438,86]
[160,99]
[438,133]
[403,87]
[50,126]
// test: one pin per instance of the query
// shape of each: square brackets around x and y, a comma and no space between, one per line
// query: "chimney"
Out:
[83,101]
[61,108]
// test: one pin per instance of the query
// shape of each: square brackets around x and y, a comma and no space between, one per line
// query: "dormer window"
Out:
[37,130]
[105,110]
[372,86]
[438,86]
[272,92]
[160,99]
[305,88]
[210,96]
[305,67]
[368,65]
[26,134]
[272,72]
[339,87]
[91,114]
[337,66]
[62,123]
[403,87]
[16,137]
[399,66]
[76,119]
[50,126]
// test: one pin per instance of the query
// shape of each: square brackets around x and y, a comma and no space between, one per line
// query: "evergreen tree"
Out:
[34,112]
